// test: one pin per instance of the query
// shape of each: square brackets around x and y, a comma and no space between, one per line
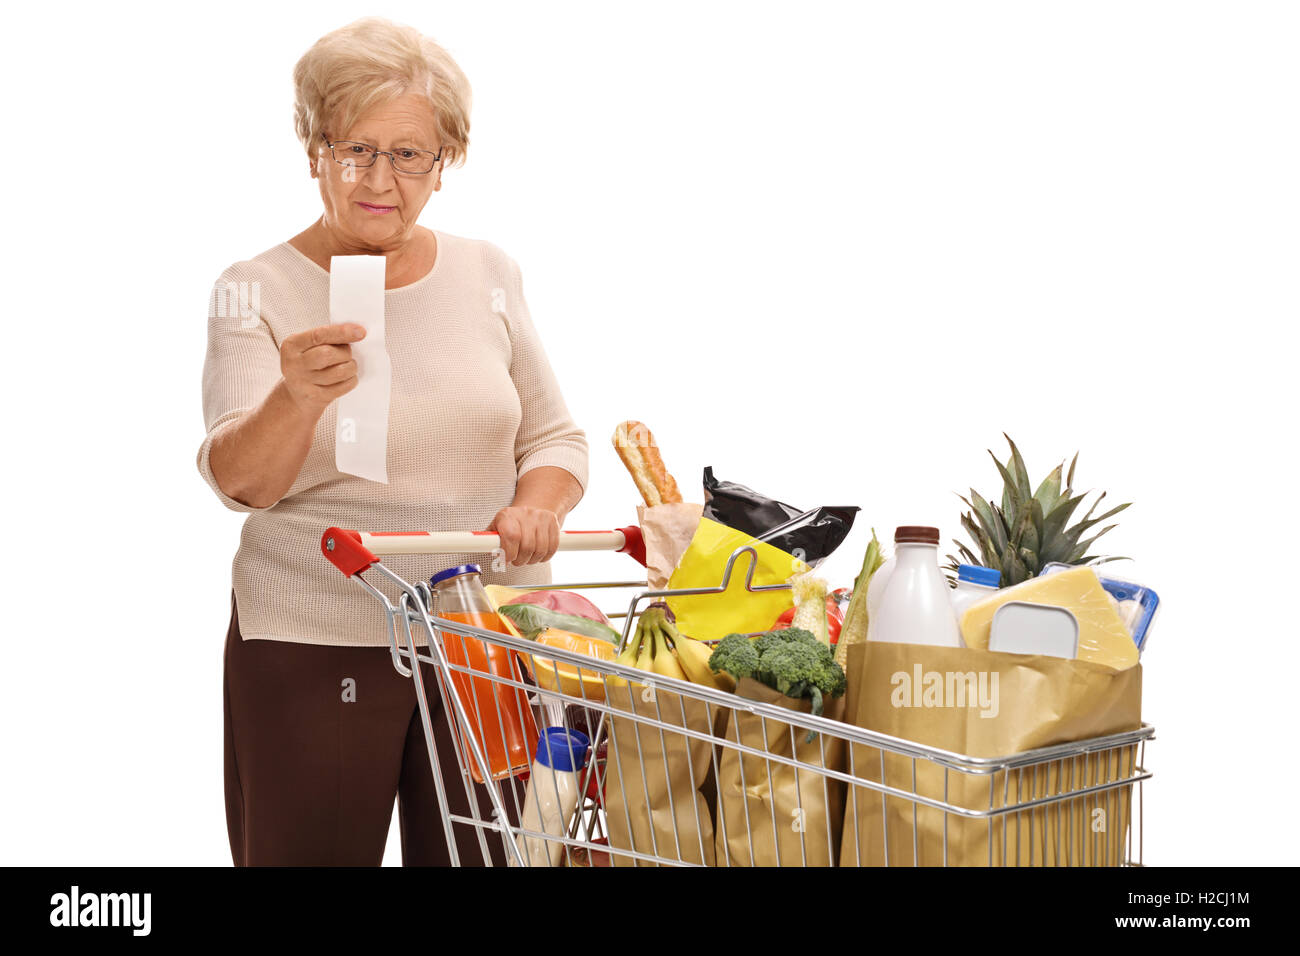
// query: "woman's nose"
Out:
[380,174]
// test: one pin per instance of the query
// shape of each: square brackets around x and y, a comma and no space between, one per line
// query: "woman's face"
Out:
[376,207]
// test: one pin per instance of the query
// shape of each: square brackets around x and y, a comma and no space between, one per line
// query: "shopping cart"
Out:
[683,774]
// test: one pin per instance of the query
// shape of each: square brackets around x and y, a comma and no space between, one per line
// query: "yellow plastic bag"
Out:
[708,617]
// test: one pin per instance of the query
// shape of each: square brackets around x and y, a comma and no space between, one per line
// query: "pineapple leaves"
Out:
[1077,531]
[1029,541]
[1080,553]
[966,556]
[1021,472]
[1030,530]
[1013,569]
[1054,522]
[1011,495]
[978,535]
[1049,492]
[1110,514]
[991,521]
[1018,558]
[1094,506]
[1068,544]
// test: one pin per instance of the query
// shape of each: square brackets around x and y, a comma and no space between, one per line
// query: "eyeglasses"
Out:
[361,155]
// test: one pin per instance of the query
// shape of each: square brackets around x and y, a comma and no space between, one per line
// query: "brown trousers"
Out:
[319,739]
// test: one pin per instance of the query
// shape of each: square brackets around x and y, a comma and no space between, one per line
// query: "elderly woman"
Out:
[320,732]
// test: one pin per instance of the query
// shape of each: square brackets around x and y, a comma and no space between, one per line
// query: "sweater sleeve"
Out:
[241,367]
[547,434]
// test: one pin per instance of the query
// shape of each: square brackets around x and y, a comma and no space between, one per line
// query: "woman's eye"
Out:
[406,153]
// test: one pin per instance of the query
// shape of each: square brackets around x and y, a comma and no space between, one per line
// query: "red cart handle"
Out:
[343,549]
[354,551]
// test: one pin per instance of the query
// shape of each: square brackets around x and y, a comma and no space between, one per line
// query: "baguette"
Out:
[636,447]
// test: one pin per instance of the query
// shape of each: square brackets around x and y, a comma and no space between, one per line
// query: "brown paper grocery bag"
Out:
[791,816]
[987,704]
[659,784]
[667,531]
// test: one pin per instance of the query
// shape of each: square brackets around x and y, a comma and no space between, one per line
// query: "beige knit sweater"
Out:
[475,404]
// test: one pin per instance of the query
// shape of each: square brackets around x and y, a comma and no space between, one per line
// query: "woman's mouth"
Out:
[376,210]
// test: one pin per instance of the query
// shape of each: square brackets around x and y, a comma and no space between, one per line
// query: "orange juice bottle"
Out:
[501,721]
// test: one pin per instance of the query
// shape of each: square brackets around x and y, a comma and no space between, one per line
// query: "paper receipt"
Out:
[361,435]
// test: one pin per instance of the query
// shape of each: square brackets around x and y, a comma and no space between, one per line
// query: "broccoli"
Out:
[790,660]
[780,638]
[798,669]
[736,655]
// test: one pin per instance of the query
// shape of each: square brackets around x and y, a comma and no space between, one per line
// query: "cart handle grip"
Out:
[354,551]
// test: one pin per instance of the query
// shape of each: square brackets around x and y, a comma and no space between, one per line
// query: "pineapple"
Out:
[1029,530]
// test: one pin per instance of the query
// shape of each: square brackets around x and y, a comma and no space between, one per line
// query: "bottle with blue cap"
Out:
[974,584]
[552,795]
[501,719]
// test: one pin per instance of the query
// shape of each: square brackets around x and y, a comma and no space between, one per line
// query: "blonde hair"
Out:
[366,63]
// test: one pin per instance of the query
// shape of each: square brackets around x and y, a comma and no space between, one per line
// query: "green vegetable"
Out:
[854,629]
[737,655]
[532,619]
[780,638]
[791,661]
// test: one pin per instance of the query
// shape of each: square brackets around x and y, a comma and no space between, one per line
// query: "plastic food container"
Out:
[1137,604]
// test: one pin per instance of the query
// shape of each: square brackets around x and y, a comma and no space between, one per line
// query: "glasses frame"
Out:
[437,157]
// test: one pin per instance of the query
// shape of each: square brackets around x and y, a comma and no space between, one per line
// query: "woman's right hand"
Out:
[318,366]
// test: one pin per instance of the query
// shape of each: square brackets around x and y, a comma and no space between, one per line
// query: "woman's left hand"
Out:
[528,535]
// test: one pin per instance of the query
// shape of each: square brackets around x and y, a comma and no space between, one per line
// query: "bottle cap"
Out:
[562,749]
[916,534]
[452,572]
[975,574]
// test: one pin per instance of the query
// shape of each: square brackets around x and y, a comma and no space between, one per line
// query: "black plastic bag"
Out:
[809,535]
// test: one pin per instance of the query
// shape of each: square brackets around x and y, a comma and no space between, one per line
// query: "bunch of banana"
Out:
[658,647]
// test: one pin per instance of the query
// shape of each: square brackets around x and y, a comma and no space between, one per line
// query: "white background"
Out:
[833,250]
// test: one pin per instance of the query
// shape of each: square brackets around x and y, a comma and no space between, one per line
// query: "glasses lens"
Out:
[354,154]
[413,160]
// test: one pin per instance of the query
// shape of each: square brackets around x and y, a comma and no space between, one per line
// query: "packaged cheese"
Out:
[1103,638]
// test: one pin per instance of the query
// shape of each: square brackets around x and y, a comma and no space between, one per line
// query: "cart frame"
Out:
[1112,766]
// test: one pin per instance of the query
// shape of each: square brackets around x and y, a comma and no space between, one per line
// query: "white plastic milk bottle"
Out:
[914,604]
